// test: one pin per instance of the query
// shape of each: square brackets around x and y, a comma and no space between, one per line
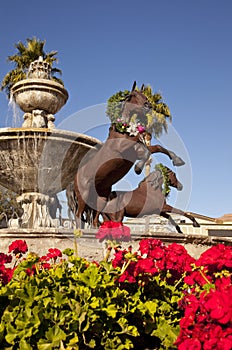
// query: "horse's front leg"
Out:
[177,161]
[143,155]
[170,219]
[169,208]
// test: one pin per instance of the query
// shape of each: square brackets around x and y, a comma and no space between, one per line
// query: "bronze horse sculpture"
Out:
[147,199]
[102,168]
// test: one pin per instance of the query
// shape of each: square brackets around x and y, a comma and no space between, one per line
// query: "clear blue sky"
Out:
[181,48]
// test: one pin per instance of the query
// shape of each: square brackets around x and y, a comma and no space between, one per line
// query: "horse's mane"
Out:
[153,178]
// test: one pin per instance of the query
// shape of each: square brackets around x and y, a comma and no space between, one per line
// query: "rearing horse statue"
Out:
[100,169]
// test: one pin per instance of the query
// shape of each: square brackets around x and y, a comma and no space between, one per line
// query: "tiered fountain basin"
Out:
[36,164]
[42,94]
[41,160]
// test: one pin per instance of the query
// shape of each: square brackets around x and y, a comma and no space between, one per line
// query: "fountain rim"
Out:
[38,84]
[5,133]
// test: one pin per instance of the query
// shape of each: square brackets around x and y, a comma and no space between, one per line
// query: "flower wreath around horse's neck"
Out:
[166,185]
[156,118]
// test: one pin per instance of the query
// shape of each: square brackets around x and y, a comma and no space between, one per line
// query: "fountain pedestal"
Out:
[36,211]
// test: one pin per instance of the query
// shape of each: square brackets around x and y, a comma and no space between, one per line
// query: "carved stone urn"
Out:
[39,96]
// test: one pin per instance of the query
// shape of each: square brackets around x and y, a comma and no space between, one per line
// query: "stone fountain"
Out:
[37,161]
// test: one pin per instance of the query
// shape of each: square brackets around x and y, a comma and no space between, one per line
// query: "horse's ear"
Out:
[142,88]
[134,86]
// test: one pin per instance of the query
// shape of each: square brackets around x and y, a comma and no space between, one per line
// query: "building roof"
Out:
[226,218]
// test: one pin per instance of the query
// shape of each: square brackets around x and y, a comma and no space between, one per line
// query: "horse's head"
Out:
[136,103]
[173,181]
[156,179]
[153,180]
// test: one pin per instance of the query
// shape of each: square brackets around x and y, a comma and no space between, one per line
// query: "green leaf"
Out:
[151,307]
[95,302]
[54,336]
[111,310]
[91,276]
[23,345]
[74,340]
[166,333]
[59,298]
[68,252]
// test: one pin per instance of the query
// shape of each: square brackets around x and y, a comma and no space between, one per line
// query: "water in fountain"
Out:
[14,113]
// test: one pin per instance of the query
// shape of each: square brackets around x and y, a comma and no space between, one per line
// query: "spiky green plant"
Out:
[159,113]
[27,53]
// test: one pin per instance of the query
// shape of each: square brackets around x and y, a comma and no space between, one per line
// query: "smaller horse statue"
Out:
[147,199]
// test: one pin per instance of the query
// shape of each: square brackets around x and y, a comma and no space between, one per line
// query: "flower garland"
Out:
[132,128]
[156,118]
[166,185]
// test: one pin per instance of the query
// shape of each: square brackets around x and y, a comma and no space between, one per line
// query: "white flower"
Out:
[132,129]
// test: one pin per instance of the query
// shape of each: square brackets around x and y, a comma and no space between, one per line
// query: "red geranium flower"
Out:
[219,305]
[197,277]
[6,274]
[128,274]
[54,253]
[190,344]
[223,282]
[178,259]
[18,247]
[113,231]
[119,259]
[216,258]
[145,266]
[46,266]
[4,258]
[149,245]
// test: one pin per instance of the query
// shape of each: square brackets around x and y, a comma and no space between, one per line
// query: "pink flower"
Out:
[141,129]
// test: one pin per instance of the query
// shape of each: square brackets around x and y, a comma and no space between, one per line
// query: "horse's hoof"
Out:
[178,161]
[195,224]
[178,229]
[138,170]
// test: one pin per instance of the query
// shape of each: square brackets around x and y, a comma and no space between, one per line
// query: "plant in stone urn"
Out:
[32,84]
[32,51]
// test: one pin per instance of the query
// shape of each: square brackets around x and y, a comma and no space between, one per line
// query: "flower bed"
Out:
[158,297]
